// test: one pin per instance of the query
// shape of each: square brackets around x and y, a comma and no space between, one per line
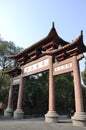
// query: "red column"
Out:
[77,86]
[18,114]
[20,94]
[51,116]
[10,95]
[8,111]
[51,88]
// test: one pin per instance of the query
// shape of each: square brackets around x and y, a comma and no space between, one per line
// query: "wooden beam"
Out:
[22,58]
[49,49]
[46,45]
[72,51]
[33,57]
[60,55]
[32,53]
[60,58]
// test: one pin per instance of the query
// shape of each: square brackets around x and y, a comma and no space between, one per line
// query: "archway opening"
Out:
[15,96]
[35,95]
[64,90]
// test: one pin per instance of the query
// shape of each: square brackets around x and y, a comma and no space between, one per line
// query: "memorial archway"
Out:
[58,57]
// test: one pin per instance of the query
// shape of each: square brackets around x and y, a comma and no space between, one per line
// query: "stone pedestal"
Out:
[8,112]
[79,119]
[18,114]
[51,116]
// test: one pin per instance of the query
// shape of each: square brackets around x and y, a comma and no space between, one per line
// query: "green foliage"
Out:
[64,93]
[35,96]
[6,48]
[84,96]
[4,86]
[84,74]
[15,96]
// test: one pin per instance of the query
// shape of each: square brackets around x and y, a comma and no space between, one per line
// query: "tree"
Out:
[64,93]
[84,74]
[84,87]
[35,96]
[4,86]
[6,48]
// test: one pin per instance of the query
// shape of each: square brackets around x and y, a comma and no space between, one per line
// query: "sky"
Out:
[25,22]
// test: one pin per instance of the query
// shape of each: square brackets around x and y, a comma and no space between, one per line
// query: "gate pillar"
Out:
[51,116]
[79,118]
[9,110]
[18,114]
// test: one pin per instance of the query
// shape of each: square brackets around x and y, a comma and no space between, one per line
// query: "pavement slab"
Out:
[37,124]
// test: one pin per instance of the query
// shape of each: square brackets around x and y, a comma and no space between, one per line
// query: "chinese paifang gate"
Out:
[42,56]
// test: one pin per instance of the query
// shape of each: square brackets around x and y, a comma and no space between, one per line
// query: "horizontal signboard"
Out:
[62,67]
[16,80]
[36,66]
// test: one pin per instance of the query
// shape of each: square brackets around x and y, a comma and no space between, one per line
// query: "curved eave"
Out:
[51,37]
[28,49]
[56,37]
[14,72]
[76,47]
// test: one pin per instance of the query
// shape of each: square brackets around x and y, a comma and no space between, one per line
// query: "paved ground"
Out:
[38,124]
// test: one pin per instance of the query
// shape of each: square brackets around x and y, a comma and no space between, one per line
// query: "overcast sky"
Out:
[27,21]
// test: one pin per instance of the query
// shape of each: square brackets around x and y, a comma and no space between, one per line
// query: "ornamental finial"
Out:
[81,32]
[53,24]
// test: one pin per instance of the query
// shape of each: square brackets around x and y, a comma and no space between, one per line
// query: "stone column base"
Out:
[8,112]
[79,119]
[51,116]
[18,114]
